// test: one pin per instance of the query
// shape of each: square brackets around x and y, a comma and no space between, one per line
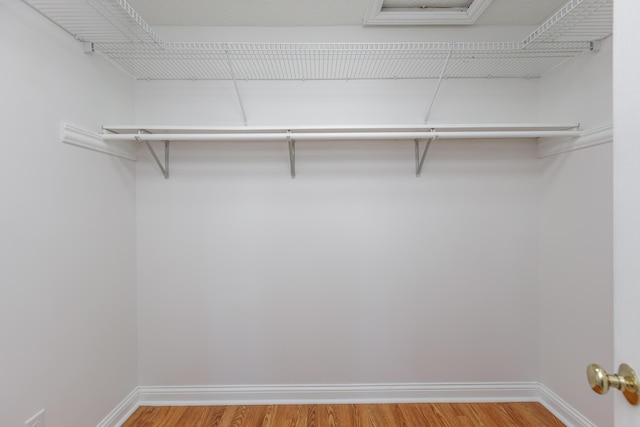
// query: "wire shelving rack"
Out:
[117,31]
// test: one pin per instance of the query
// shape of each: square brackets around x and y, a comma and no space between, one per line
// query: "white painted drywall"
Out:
[354,272]
[67,245]
[576,241]
[336,102]
[580,90]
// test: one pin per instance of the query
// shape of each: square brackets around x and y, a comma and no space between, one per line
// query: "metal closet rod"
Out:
[231,134]
[339,136]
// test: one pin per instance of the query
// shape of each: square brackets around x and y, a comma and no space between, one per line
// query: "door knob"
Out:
[625,380]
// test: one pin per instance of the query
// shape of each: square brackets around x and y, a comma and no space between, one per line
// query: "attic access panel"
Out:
[424,12]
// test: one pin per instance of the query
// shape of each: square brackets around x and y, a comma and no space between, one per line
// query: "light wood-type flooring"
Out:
[374,415]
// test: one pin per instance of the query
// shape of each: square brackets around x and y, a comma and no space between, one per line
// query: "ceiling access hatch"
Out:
[424,12]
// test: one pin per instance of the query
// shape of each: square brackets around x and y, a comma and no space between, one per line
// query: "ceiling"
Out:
[278,13]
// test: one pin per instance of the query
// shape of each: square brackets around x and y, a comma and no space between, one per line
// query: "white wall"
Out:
[354,272]
[67,282]
[336,102]
[580,90]
[576,273]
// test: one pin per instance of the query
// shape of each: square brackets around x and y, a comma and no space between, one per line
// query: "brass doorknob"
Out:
[625,380]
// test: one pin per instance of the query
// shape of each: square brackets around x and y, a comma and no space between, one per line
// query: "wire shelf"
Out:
[98,20]
[251,61]
[578,20]
[119,33]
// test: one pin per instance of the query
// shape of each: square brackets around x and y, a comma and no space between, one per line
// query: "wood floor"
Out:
[403,415]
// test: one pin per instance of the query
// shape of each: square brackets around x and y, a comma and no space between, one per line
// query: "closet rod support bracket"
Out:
[420,157]
[163,168]
[292,154]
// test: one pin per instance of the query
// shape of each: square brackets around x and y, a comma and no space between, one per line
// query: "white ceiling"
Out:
[277,13]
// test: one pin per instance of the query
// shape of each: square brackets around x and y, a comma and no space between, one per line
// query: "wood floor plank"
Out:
[255,415]
[213,416]
[327,416]
[519,414]
[412,415]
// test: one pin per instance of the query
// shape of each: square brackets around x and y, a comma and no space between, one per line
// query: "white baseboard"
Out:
[358,393]
[589,138]
[562,410]
[325,394]
[120,413]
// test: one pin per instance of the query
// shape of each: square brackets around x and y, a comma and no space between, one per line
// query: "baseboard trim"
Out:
[562,410]
[123,411]
[326,394]
[335,394]
[548,147]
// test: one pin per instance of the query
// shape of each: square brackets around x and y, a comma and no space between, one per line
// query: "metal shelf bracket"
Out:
[292,154]
[163,168]
[437,89]
[235,83]
[421,157]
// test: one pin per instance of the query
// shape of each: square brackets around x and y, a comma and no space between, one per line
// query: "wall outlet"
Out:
[36,421]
